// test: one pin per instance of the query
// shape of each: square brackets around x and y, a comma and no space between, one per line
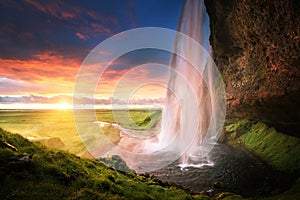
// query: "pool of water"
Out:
[230,170]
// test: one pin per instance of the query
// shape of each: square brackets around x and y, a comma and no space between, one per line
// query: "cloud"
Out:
[46,67]
[41,27]
[55,8]
[100,28]
[100,23]
[8,85]
[44,42]
[81,36]
[15,87]
[47,73]
[130,63]
[36,99]
[65,98]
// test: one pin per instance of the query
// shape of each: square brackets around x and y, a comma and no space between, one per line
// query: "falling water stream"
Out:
[199,106]
[195,109]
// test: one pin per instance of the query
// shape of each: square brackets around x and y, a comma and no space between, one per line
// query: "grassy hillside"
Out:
[54,174]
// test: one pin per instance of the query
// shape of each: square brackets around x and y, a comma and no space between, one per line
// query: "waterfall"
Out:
[190,118]
[194,113]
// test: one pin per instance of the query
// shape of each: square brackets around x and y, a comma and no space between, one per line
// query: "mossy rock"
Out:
[228,196]
[280,150]
[117,163]
[234,130]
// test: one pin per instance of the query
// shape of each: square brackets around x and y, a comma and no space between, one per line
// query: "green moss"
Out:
[234,130]
[228,196]
[281,151]
[87,194]
[202,197]
[237,129]
[54,174]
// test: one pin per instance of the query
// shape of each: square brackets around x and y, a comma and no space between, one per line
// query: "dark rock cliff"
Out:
[256,47]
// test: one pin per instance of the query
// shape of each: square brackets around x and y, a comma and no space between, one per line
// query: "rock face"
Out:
[256,46]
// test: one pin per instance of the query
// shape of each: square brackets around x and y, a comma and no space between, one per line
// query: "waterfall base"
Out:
[237,172]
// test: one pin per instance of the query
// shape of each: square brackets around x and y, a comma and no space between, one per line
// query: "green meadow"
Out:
[56,128]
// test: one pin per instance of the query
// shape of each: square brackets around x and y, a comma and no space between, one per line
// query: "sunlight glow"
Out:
[67,106]
[64,105]
[35,106]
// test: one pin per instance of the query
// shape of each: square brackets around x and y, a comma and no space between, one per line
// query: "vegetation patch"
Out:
[148,121]
[29,170]
[279,150]
[116,162]
[56,128]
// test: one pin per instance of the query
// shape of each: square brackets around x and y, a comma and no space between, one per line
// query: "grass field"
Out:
[56,128]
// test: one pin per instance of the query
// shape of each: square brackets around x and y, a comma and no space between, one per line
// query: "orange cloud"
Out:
[45,67]
[51,74]
[63,10]
[47,72]
[99,28]
[54,8]
[137,81]
[81,36]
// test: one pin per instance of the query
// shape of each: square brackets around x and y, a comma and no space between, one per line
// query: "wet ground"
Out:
[233,171]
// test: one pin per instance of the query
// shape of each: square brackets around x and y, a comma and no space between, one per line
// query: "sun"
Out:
[64,105]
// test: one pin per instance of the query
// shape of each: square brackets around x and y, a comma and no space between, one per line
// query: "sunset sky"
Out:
[43,44]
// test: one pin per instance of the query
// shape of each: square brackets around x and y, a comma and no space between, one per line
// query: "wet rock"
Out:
[25,158]
[209,192]
[218,184]
[9,146]
[19,165]
[146,175]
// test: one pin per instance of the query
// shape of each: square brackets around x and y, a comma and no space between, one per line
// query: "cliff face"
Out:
[256,46]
